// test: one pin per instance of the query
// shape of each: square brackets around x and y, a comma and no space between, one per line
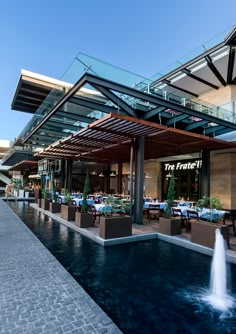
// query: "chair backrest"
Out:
[192,214]
[228,217]
[176,212]
[154,206]
[92,209]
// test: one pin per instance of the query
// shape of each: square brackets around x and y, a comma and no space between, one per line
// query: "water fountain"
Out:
[218,297]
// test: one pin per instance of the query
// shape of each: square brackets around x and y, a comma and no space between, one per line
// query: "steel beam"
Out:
[190,75]
[139,180]
[176,119]
[214,70]
[115,99]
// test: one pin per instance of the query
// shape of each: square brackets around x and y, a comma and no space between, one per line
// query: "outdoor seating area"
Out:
[104,215]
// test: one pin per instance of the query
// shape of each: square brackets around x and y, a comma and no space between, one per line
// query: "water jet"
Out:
[219,297]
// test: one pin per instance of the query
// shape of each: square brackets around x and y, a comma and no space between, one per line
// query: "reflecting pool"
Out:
[146,287]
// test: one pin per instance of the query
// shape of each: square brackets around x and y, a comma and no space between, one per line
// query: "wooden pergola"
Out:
[110,138]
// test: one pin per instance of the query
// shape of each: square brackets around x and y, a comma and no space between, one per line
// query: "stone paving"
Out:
[37,295]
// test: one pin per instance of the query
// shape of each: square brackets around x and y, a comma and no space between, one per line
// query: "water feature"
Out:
[147,287]
[219,297]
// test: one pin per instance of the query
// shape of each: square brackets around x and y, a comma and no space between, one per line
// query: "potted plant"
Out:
[167,224]
[203,231]
[17,186]
[45,199]
[54,206]
[67,209]
[84,218]
[213,203]
[117,225]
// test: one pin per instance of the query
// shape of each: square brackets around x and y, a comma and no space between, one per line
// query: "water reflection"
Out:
[143,286]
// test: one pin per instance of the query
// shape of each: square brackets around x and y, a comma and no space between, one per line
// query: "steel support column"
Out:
[107,179]
[62,174]
[205,174]
[139,180]
[132,149]
[68,174]
[119,178]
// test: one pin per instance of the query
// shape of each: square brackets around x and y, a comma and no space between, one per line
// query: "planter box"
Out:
[68,212]
[84,220]
[170,226]
[115,227]
[45,204]
[203,233]
[55,207]
[21,193]
[36,195]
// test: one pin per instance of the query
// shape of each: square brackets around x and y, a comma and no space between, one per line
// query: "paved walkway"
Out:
[37,295]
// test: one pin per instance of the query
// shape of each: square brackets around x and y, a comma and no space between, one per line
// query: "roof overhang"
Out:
[211,69]
[15,156]
[25,165]
[109,139]
[62,120]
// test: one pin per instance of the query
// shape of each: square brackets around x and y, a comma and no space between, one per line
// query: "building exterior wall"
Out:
[223,178]
[152,181]
[219,97]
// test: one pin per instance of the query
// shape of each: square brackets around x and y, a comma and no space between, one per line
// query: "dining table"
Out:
[204,213]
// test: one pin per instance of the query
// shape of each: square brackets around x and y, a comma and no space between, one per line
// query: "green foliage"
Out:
[170,195]
[118,205]
[215,203]
[45,194]
[203,202]
[67,197]
[212,202]
[54,197]
[85,193]
[17,183]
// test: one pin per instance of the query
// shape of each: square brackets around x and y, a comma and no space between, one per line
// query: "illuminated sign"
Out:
[183,165]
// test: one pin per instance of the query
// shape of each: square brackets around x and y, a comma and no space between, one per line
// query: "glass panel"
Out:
[194,191]
[183,186]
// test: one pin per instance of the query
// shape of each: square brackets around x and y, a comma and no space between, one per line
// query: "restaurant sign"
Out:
[183,165]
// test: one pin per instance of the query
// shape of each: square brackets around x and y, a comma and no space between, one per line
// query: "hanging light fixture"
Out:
[101,174]
[113,174]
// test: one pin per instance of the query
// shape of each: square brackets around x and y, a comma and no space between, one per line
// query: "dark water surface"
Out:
[146,287]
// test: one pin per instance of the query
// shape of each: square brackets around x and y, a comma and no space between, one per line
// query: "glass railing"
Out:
[197,105]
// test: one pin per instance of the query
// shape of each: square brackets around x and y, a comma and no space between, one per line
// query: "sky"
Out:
[44,36]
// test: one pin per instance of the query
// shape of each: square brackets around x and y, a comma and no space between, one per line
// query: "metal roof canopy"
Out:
[16,156]
[30,165]
[127,101]
[213,68]
[109,139]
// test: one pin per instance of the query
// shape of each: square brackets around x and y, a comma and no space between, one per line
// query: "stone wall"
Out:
[223,178]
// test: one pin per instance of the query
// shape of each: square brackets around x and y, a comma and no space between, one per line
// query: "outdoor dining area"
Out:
[110,216]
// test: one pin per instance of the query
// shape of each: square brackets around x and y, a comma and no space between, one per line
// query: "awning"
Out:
[109,139]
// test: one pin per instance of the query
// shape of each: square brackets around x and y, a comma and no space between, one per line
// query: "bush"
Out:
[85,193]
[170,195]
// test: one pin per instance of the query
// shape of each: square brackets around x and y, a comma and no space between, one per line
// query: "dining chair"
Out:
[154,211]
[95,213]
[229,220]
[178,214]
[192,216]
